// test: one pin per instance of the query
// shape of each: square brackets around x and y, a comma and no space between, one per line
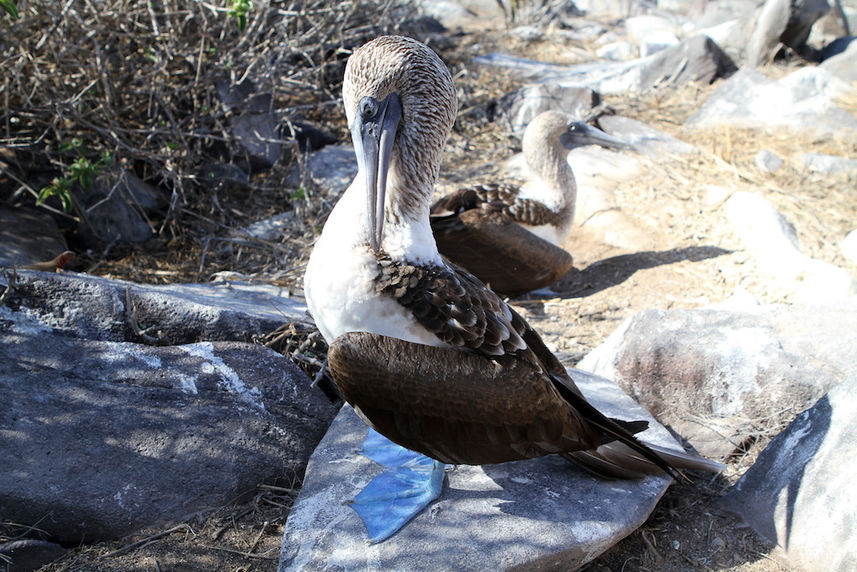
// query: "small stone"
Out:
[768,161]
[821,163]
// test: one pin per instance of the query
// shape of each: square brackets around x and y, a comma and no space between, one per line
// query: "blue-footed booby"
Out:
[510,236]
[425,353]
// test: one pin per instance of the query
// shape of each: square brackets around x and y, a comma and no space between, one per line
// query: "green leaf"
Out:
[10,8]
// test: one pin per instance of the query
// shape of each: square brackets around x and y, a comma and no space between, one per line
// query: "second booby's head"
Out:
[555,132]
[400,103]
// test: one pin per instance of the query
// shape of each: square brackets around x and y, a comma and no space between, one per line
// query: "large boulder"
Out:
[103,438]
[104,434]
[540,514]
[800,493]
[721,377]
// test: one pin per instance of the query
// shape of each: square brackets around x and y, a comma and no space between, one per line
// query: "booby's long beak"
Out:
[373,132]
[580,134]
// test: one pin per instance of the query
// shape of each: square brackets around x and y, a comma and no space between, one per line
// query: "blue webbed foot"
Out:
[407,485]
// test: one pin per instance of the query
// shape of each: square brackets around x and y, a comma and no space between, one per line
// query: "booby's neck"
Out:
[407,233]
[553,184]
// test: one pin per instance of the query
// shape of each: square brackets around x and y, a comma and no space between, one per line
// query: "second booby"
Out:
[511,236]
[425,352]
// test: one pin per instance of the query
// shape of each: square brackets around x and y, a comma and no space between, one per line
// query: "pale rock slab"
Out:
[843,64]
[519,108]
[652,34]
[645,138]
[804,100]
[712,374]
[616,51]
[773,243]
[786,22]
[543,513]
[800,492]
[694,59]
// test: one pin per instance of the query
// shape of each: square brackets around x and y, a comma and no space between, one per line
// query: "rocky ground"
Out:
[689,258]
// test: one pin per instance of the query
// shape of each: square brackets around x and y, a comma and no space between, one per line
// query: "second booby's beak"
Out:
[373,132]
[580,134]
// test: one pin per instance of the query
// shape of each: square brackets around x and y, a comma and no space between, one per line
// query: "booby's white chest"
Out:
[341,277]
[538,190]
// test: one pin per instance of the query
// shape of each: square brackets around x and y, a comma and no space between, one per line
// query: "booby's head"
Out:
[400,103]
[555,131]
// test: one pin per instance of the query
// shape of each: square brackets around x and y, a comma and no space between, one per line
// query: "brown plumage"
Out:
[509,236]
[423,350]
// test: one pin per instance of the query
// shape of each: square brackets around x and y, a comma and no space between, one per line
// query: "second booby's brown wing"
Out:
[482,235]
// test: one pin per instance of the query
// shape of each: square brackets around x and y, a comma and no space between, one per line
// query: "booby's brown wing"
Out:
[453,405]
[504,255]
[490,401]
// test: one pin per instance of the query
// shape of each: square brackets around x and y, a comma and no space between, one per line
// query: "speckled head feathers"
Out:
[397,64]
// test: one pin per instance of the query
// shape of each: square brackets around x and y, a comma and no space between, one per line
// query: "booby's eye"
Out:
[367,108]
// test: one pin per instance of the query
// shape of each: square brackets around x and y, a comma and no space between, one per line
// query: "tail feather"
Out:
[616,460]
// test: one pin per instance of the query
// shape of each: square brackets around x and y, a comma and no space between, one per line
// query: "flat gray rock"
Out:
[803,100]
[118,208]
[800,492]
[332,168]
[543,513]
[28,236]
[97,308]
[520,107]
[103,438]
[695,59]
[821,163]
[715,374]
